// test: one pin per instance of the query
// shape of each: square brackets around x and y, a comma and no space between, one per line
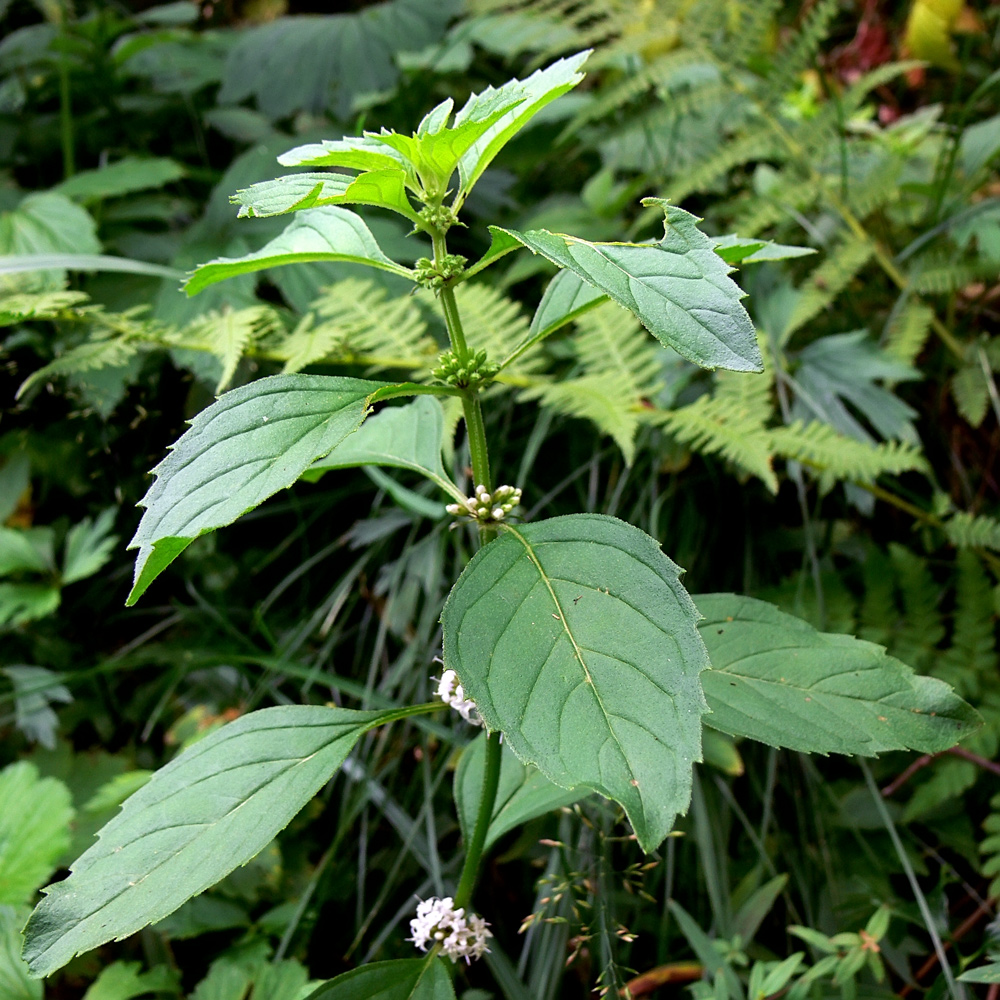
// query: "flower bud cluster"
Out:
[453,694]
[427,274]
[438,921]
[439,217]
[465,370]
[487,508]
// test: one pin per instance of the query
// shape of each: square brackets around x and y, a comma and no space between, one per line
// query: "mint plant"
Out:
[571,639]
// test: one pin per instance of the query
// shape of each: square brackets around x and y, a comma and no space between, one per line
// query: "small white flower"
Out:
[453,694]
[439,921]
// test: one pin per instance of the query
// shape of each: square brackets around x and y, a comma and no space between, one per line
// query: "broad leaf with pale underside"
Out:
[320,234]
[403,437]
[209,810]
[248,445]
[575,638]
[402,979]
[295,192]
[778,680]
[679,288]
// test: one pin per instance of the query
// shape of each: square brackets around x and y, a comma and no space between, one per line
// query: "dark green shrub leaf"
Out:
[679,288]
[327,233]
[777,680]
[248,445]
[575,638]
[208,811]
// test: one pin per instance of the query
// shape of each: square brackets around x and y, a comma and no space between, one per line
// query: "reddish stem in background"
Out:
[929,758]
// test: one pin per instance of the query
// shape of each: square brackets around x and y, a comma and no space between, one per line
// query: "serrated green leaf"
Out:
[351,152]
[38,305]
[403,979]
[531,95]
[248,445]
[35,814]
[88,547]
[778,680]
[208,811]
[321,234]
[523,792]
[16,982]
[402,437]
[126,176]
[678,288]
[382,188]
[43,224]
[575,638]
[124,981]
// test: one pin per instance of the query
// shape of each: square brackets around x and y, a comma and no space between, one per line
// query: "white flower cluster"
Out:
[438,921]
[453,694]
[485,506]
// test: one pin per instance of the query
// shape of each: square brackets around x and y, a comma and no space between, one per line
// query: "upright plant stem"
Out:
[474,849]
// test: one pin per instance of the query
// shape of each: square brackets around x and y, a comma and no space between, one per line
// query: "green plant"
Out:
[571,637]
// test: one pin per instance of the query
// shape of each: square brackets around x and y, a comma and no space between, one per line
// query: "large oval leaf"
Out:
[209,810]
[778,680]
[679,288]
[318,234]
[246,446]
[575,638]
[523,792]
[403,979]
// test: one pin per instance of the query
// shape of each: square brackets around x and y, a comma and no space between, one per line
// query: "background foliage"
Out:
[854,483]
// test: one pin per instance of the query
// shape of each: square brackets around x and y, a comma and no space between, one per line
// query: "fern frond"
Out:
[971,660]
[877,613]
[597,398]
[908,332]
[609,340]
[359,315]
[971,391]
[990,847]
[922,627]
[950,276]
[744,149]
[496,324]
[971,531]
[309,343]
[798,54]
[102,351]
[750,34]
[23,306]
[838,457]
[229,335]
[732,422]
[873,190]
[829,279]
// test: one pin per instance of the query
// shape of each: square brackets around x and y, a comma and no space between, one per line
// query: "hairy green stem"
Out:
[474,849]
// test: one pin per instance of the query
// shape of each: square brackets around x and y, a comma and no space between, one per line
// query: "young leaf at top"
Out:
[402,979]
[523,792]
[530,96]
[575,638]
[777,680]
[404,437]
[678,288]
[212,808]
[381,188]
[327,233]
[246,446]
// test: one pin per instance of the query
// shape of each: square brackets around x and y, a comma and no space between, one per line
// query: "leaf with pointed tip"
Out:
[249,444]
[211,809]
[778,680]
[523,792]
[566,297]
[381,188]
[575,638]
[738,250]
[403,437]
[679,289]
[400,979]
[531,94]
[321,234]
